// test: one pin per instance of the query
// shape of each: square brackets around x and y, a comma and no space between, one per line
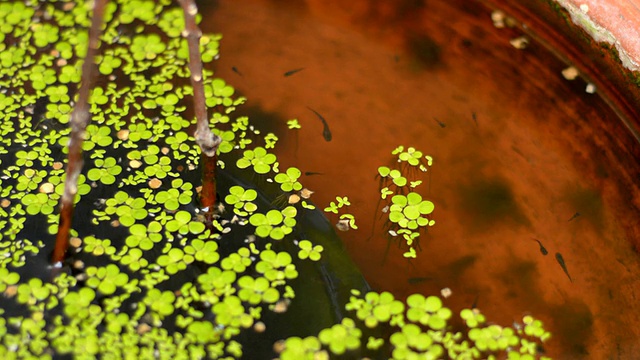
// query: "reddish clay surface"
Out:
[613,21]
[541,150]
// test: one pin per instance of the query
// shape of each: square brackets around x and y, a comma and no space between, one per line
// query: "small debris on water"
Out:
[584,8]
[520,42]
[570,73]
[5,203]
[446,292]
[46,188]
[343,225]
[278,346]
[57,165]
[281,306]
[134,164]
[123,134]
[143,328]
[497,16]
[155,183]
[306,193]
[590,89]
[75,242]
[259,327]
[294,199]
[11,291]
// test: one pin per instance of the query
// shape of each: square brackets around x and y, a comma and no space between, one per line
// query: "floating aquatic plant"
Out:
[138,230]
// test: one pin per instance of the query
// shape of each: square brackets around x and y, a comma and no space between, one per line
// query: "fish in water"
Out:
[235,70]
[309,173]
[291,72]
[326,133]
[563,265]
[442,125]
[475,302]
[542,248]
[475,117]
[574,216]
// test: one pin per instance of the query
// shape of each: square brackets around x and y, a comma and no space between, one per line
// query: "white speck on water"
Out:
[446,292]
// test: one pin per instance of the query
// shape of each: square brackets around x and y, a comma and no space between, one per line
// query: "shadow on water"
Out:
[574,326]
[521,279]
[489,202]
[425,50]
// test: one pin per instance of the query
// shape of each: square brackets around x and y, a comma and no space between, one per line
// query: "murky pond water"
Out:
[518,150]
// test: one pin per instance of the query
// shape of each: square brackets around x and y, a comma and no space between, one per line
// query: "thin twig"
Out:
[205,138]
[79,120]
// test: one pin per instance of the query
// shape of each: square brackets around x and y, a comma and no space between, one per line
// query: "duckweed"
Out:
[135,241]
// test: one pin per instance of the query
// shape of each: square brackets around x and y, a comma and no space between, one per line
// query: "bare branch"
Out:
[205,138]
[207,141]
[79,120]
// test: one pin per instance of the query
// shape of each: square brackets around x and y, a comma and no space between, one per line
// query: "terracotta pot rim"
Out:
[614,22]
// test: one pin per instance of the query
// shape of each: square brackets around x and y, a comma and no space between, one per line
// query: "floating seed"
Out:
[46,188]
[135,164]
[11,291]
[259,327]
[520,42]
[278,346]
[446,292]
[306,193]
[281,306]
[570,73]
[123,134]
[498,17]
[294,199]
[76,242]
[143,329]
[155,183]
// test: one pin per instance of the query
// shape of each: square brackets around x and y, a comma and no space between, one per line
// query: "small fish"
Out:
[442,125]
[474,117]
[291,72]
[418,280]
[326,133]
[574,216]
[235,70]
[563,265]
[309,173]
[475,302]
[542,248]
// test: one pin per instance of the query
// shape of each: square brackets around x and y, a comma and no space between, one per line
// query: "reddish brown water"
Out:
[541,150]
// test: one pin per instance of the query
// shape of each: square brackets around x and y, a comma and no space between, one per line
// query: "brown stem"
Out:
[79,120]
[205,138]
